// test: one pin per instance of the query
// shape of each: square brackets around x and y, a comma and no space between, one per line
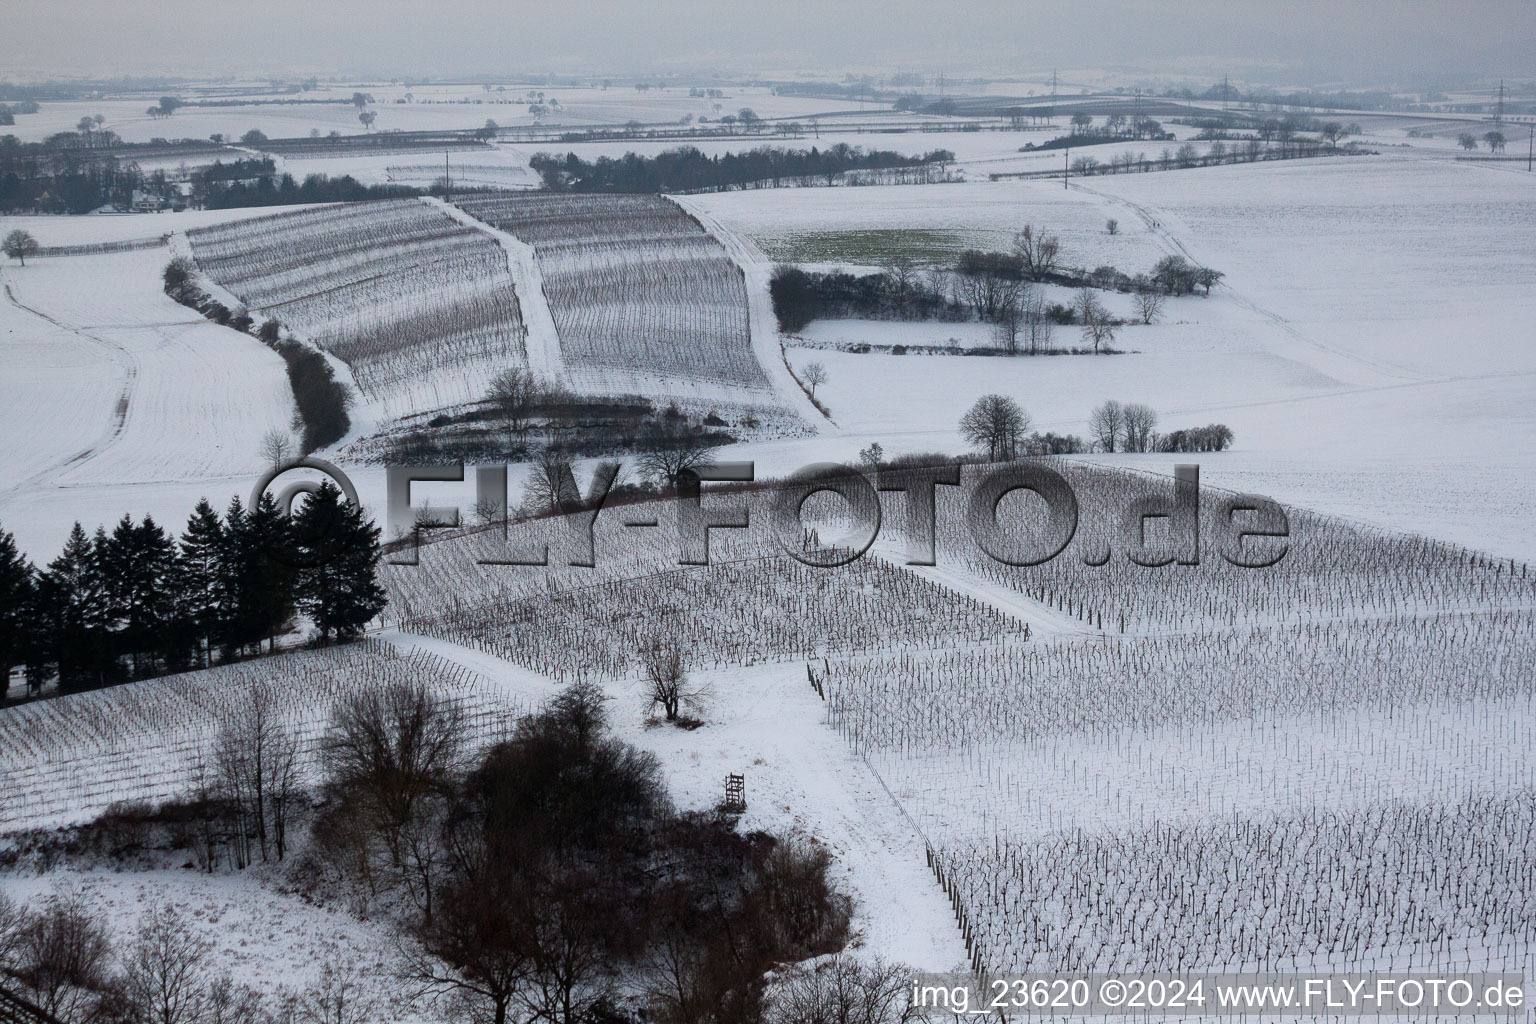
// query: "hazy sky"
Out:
[1296,38]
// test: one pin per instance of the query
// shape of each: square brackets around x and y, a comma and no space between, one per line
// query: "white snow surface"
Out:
[110,381]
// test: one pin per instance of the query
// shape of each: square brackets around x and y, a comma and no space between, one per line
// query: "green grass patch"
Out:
[871,247]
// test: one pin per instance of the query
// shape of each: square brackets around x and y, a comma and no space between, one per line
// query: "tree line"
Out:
[687,169]
[283,190]
[80,171]
[322,400]
[136,602]
[993,287]
[998,428]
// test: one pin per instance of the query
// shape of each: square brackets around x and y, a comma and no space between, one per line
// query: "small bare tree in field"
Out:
[277,447]
[1149,304]
[815,374]
[516,394]
[995,424]
[1112,226]
[1140,421]
[1098,325]
[872,458]
[667,683]
[1107,425]
[1037,251]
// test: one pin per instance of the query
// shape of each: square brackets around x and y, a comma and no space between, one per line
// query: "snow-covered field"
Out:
[431,108]
[115,383]
[1368,346]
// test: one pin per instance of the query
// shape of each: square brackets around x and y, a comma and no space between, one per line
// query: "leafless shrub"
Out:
[64,957]
[337,996]
[843,989]
[165,968]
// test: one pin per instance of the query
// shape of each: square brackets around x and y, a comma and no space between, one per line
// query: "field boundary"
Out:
[541,340]
[763,327]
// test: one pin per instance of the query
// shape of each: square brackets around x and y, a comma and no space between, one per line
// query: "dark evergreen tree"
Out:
[16,593]
[261,569]
[70,614]
[202,563]
[137,564]
[338,582]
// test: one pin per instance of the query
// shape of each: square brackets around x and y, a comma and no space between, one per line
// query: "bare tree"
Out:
[64,956]
[676,446]
[516,395]
[387,752]
[1140,421]
[995,424]
[1149,304]
[667,683]
[872,458]
[903,274]
[1098,325]
[1037,322]
[552,483]
[229,1003]
[19,245]
[277,447]
[814,375]
[1107,426]
[13,918]
[1037,251]
[474,949]
[337,996]
[1207,278]
[1112,226]
[1007,323]
[164,971]
[258,772]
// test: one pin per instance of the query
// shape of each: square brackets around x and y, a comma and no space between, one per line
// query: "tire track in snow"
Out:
[1153,221]
[119,420]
